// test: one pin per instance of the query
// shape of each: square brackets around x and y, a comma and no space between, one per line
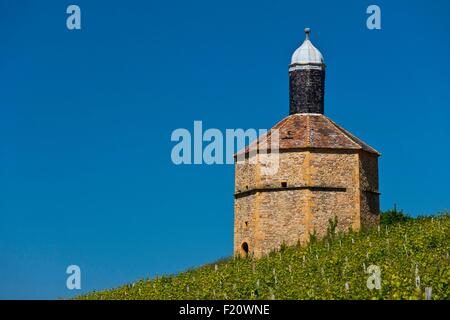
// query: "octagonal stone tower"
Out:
[323,172]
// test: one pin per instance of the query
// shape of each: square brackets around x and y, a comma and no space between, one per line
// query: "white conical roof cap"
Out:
[307,53]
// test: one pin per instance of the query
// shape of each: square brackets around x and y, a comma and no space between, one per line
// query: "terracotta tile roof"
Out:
[299,131]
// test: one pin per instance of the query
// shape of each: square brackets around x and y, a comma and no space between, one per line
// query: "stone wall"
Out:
[370,202]
[310,188]
[245,222]
[245,176]
[282,217]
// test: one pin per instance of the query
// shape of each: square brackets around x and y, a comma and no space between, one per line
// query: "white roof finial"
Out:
[307,31]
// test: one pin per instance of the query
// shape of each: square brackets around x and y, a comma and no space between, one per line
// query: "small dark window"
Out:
[246,187]
[246,223]
[284,184]
[245,248]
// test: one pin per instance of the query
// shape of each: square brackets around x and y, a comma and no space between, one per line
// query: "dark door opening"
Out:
[245,248]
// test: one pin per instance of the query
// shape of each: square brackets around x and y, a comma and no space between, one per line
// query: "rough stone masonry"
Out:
[324,172]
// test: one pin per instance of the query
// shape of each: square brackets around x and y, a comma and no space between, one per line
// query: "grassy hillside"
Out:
[333,268]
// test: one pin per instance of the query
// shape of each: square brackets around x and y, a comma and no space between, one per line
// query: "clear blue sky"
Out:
[86,176]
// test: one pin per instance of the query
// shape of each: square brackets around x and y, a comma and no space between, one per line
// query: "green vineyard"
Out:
[401,260]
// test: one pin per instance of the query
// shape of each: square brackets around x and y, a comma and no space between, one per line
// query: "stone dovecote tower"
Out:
[324,172]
